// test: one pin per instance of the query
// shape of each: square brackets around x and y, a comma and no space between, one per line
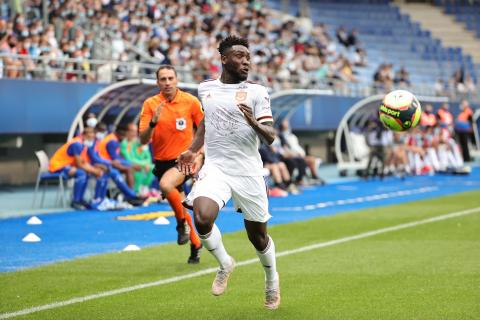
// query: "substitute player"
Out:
[167,120]
[237,114]
[71,160]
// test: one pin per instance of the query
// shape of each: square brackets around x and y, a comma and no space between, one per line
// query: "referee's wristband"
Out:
[152,124]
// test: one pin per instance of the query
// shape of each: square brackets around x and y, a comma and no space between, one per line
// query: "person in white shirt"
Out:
[237,115]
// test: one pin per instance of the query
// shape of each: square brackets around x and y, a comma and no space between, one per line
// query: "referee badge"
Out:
[181,123]
[240,96]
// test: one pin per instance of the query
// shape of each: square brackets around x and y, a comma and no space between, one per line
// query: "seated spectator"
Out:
[295,156]
[345,71]
[449,153]
[397,161]
[91,120]
[71,161]
[359,57]
[382,79]
[428,118]
[278,170]
[378,139]
[109,149]
[440,87]
[134,152]
[402,77]
[342,36]
[444,116]
[353,38]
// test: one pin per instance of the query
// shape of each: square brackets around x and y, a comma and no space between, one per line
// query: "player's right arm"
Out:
[148,121]
[186,159]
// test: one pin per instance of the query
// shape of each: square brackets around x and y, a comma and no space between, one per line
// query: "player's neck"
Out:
[170,97]
[228,78]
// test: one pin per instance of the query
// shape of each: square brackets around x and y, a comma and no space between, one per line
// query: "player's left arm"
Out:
[260,118]
[264,129]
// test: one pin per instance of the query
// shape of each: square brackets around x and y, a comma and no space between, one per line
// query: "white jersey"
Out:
[231,144]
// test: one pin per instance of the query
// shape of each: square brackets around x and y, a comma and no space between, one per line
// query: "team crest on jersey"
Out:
[240,96]
[181,123]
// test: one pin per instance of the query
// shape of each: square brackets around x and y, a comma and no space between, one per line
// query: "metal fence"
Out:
[109,71]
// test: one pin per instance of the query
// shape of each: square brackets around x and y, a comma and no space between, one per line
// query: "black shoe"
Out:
[194,254]
[183,230]
[136,202]
[77,205]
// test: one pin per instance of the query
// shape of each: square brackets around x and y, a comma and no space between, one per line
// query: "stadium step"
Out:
[443,27]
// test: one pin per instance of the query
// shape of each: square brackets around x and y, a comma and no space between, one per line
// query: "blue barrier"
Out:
[29,106]
[49,107]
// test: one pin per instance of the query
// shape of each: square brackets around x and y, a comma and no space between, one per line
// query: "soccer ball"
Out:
[400,110]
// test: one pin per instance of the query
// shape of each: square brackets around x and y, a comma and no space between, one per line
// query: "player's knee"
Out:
[259,240]
[202,221]
[166,186]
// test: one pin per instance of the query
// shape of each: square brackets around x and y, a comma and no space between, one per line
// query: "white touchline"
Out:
[241,263]
[373,197]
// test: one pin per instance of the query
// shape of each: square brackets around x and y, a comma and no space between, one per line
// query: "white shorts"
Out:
[249,193]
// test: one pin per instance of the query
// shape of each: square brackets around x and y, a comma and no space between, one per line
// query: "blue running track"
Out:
[76,234]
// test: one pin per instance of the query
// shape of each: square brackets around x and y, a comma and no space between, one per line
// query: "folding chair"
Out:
[46,177]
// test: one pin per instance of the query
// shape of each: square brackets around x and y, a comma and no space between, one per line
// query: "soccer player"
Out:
[109,149]
[109,172]
[167,120]
[237,114]
[133,151]
[71,160]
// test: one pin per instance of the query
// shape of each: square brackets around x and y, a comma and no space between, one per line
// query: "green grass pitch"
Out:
[429,271]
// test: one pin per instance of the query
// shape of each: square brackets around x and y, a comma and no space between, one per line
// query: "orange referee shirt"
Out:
[174,131]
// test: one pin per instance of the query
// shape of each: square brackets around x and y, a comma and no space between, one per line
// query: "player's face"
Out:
[89,133]
[132,132]
[237,62]
[167,81]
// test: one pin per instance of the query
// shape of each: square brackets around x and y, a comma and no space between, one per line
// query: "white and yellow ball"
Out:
[400,110]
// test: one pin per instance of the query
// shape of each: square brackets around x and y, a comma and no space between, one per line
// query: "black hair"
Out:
[122,127]
[101,126]
[231,41]
[166,66]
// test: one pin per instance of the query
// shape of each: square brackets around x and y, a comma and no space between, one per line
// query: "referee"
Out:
[167,121]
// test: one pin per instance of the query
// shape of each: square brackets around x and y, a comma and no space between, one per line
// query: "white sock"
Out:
[213,243]
[268,260]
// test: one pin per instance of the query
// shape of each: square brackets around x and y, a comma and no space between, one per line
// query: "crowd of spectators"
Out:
[385,78]
[182,33]
[286,53]
[45,46]
[460,84]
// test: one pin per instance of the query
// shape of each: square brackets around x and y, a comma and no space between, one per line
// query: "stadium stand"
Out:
[466,12]
[299,53]
[390,37]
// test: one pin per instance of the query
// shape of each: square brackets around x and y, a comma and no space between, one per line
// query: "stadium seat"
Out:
[46,177]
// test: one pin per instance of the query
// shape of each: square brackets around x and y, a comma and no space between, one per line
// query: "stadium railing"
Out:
[108,71]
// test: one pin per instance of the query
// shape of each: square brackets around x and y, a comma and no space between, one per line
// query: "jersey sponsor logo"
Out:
[181,123]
